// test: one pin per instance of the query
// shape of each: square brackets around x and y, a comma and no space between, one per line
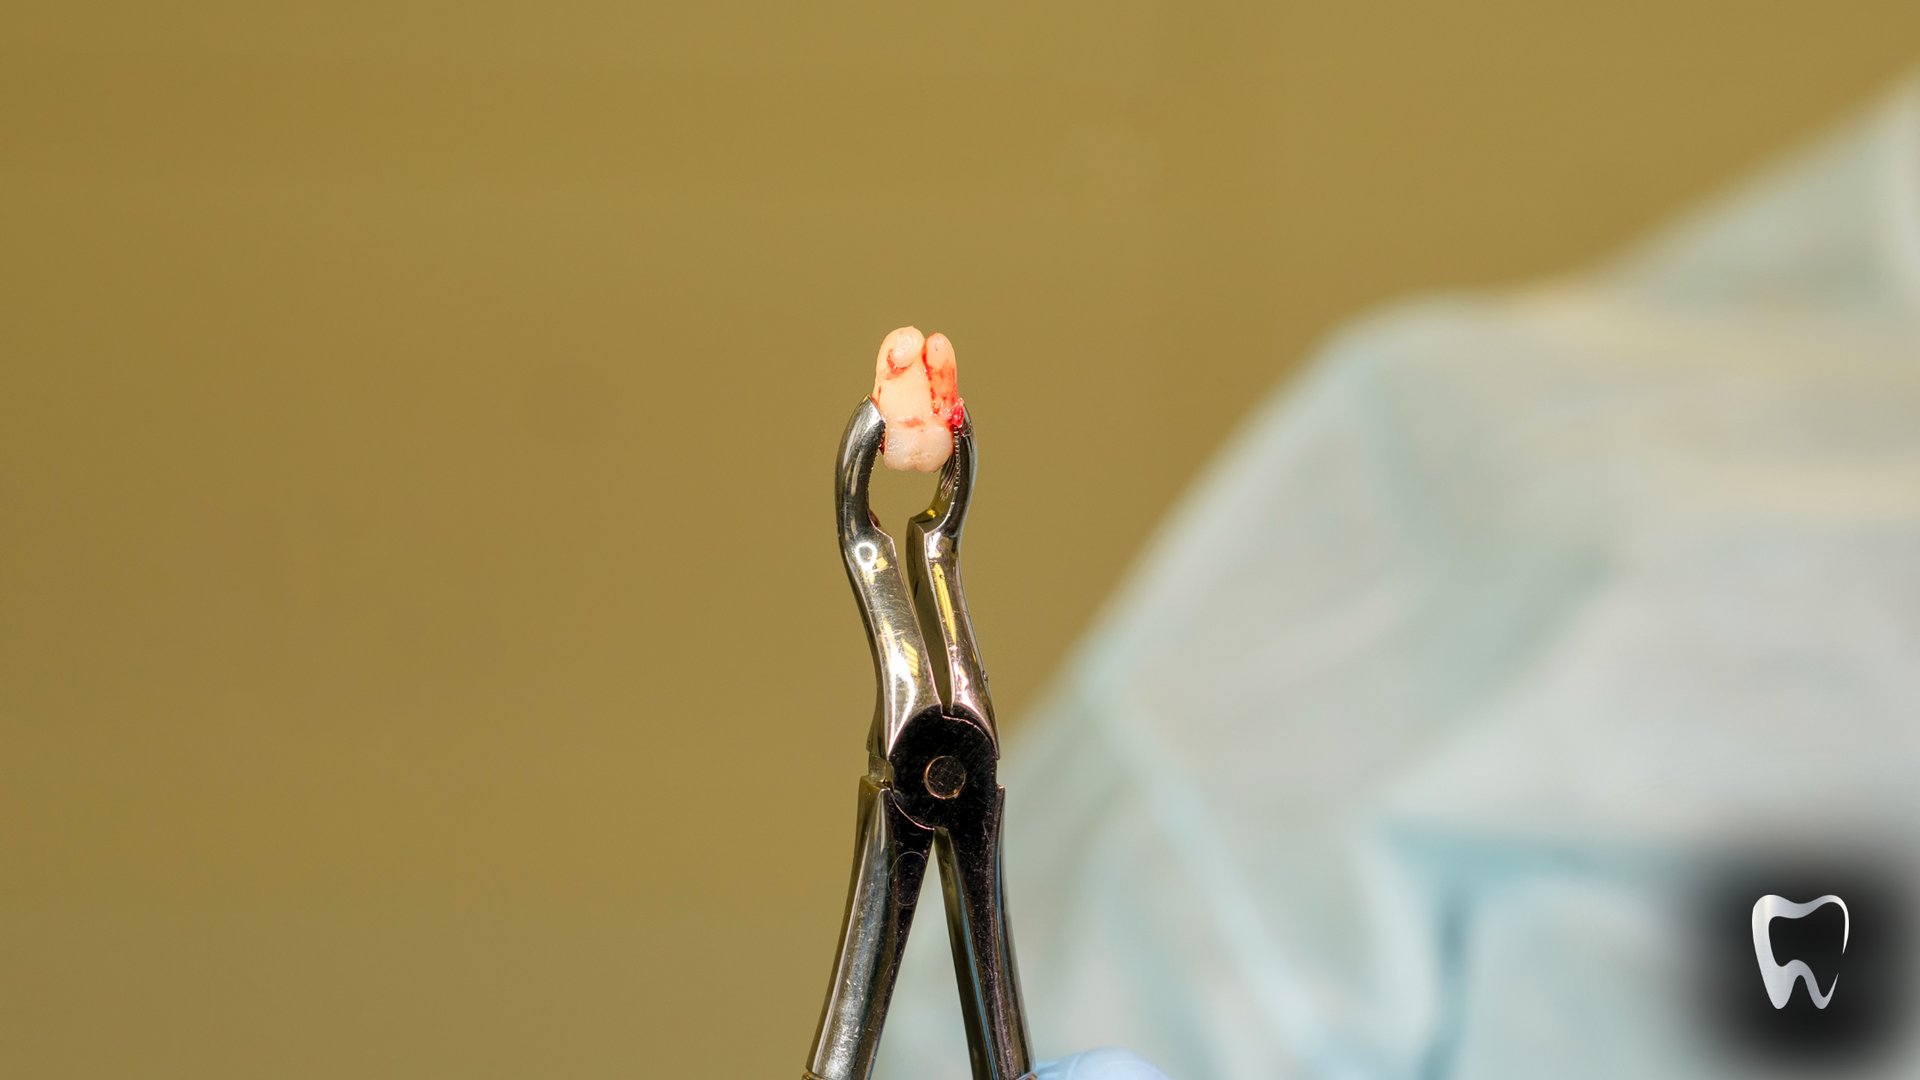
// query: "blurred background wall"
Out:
[423,647]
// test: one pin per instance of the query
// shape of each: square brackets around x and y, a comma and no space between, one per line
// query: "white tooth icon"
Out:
[1779,978]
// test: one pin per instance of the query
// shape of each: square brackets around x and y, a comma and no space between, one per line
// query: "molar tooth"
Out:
[916,387]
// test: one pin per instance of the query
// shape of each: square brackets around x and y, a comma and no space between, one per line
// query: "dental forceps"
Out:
[930,786]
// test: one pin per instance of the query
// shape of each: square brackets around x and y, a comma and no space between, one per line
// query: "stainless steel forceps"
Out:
[930,783]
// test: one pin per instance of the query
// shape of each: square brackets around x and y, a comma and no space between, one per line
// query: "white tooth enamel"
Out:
[1780,979]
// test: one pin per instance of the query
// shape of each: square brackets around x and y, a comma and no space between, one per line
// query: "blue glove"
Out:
[1105,1063]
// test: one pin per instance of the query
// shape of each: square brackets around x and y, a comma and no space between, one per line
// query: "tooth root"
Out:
[898,351]
[916,387]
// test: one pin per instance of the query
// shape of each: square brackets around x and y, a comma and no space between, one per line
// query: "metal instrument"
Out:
[930,787]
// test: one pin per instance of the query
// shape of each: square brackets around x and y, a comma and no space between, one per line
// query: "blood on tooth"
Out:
[901,349]
[942,375]
[916,388]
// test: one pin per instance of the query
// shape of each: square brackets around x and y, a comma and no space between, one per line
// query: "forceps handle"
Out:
[889,864]
[983,960]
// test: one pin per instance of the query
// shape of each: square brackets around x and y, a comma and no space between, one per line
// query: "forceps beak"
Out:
[917,625]
[933,571]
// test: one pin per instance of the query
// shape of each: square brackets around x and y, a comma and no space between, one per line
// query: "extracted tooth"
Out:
[916,387]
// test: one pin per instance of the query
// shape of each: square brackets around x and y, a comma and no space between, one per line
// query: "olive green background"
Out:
[423,647]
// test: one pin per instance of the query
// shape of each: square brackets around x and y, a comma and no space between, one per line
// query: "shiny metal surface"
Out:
[933,571]
[903,674]
[932,784]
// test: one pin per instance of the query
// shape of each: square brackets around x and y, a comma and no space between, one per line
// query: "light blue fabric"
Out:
[1105,1063]
[1390,759]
